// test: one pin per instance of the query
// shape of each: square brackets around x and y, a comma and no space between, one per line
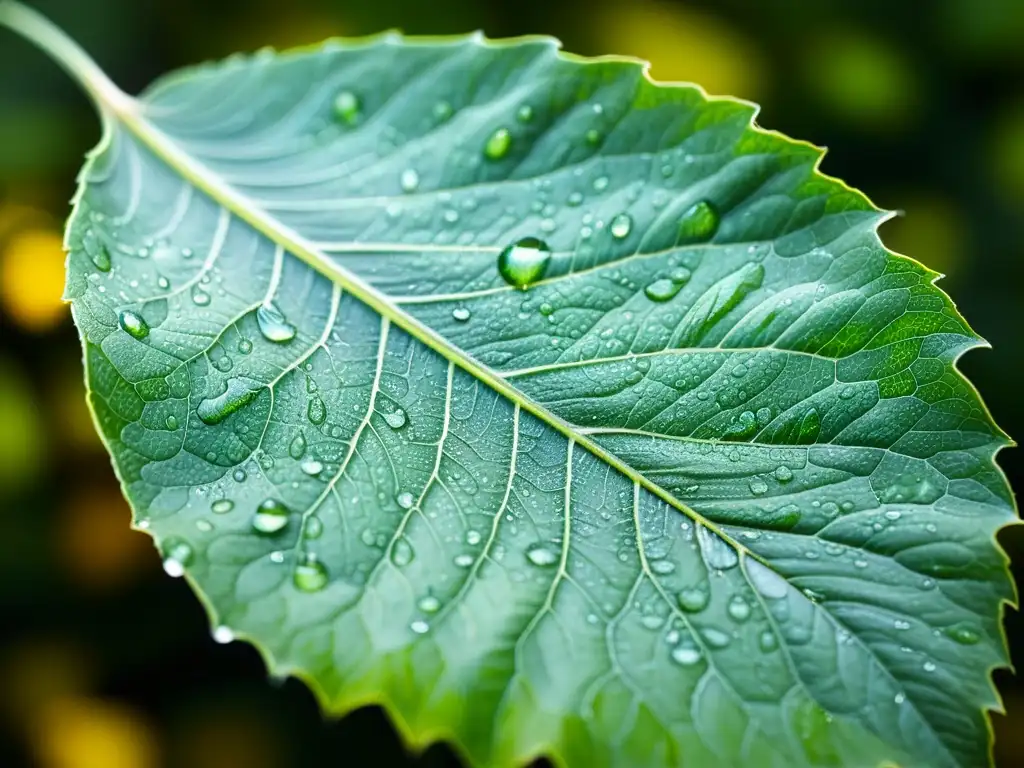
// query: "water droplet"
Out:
[662,290]
[686,655]
[473,538]
[312,467]
[405,500]
[962,634]
[223,635]
[663,567]
[347,107]
[396,419]
[899,698]
[239,475]
[316,411]
[783,473]
[163,283]
[402,552]
[442,111]
[222,506]
[429,604]
[540,555]
[717,553]
[297,447]
[621,226]
[409,180]
[715,638]
[765,580]
[652,621]
[200,297]
[463,560]
[271,517]
[312,528]
[693,599]
[739,608]
[420,627]
[698,223]
[901,625]
[310,574]
[244,346]
[177,555]
[524,262]
[171,422]
[929,666]
[133,324]
[680,275]
[600,185]
[593,137]
[767,641]
[238,394]
[893,514]
[272,324]
[498,144]
[461,314]
[100,257]
[758,487]
[525,113]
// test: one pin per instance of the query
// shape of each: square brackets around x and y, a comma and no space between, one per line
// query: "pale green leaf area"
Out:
[562,412]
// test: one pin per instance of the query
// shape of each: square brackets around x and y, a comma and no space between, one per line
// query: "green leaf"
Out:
[562,412]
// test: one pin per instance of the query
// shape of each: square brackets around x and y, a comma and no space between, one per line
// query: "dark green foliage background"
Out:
[938,132]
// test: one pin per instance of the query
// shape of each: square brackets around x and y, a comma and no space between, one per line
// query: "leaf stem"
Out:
[36,28]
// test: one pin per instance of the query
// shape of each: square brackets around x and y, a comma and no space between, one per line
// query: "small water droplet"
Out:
[223,635]
[171,422]
[593,137]
[498,144]
[929,666]
[739,608]
[239,475]
[222,506]
[693,599]
[177,555]
[316,411]
[662,290]
[758,487]
[420,627]
[244,346]
[239,393]
[271,517]
[621,226]
[962,634]
[442,111]
[347,107]
[429,604]
[272,324]
[899,698]
[405,500]
[767,641]
[133,324]
[312,467]
[402,552]
[783,473]
[901,625]
[524,262]
[663,567]
[525,113]
[100,257]
[409,180]
[473,538]
[893,514]
[686,655]
[698,223]
[313,528]
[163,283]
[297,447]
[463,560]
[715,638]
[541,555]
[461,314]
[200,297]
[396,419]
[310,574]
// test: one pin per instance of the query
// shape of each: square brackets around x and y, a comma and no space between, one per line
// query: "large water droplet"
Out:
[715,638]
[133,324]
[316,411]
[177,555]
[239,393]
[524,262]
[100,257]
[297,447]
[396,419]
[498,144]
[739,608]
[662,290]
[718,554]
[271,517]
[310,574]
[962,634]
[222,506]
[402,552]
[272,324]
[405,500]
[686,655]
[347,107]
[200,297]
[783,473]
[621,226]
[312,467]
[693,599]
[698,223]
[541,555]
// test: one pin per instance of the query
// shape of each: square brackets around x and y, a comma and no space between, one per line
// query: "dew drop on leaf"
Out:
[312,528]
[405,500]
[239,393]
[177,555]
[402,552]
[310,574]
[962,634]
[316,411]
[273,325]
[693,599]
[347,107]
[409,180]
[297,447]
[663,567]
[395,419]
[498,144]
[698,223]
[200,297]
[767,641]
[171,422]
[222,506]
[461,314]
[244,346]
[442,111]
[715,638]
[621,226]
[271,517]
[593,137]
[133,324]
[311,467]
[738,608]
[429,604]
[662,290]
[541,555]
[783,473]
[420,627]
[223,635]
[686,655]
[525,113]
[524,262]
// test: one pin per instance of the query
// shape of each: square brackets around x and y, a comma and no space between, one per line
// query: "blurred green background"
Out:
[106,663]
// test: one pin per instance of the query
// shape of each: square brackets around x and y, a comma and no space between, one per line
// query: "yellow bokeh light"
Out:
[90,733]
[32,279]
[682,46]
